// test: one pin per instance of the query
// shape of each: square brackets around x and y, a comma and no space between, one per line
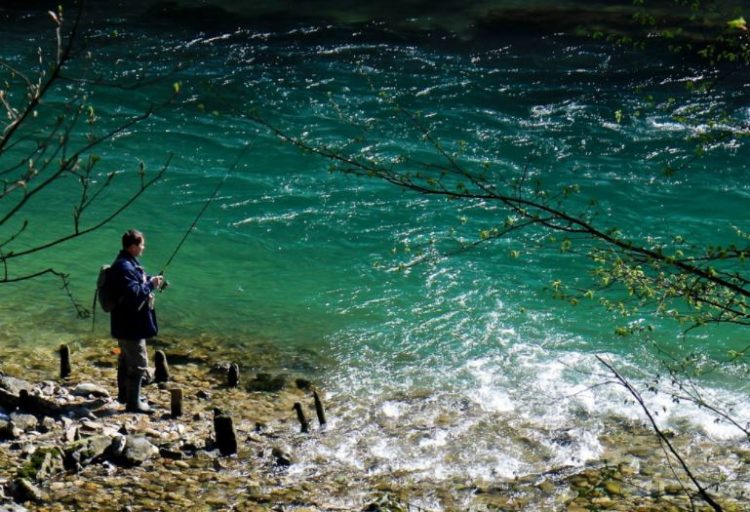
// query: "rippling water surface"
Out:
[431,363]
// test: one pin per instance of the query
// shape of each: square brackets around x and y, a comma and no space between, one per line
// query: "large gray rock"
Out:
[14,386]
[42,464]
[86,451]
[8,430]
[24,422]
[23,490]
[90,389]
[137,450]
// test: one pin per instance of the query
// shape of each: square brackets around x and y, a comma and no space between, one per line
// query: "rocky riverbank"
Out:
[71,446]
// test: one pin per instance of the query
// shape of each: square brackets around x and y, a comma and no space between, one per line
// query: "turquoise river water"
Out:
[310,262]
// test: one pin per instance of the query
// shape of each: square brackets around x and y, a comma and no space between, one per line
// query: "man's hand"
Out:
[157,281]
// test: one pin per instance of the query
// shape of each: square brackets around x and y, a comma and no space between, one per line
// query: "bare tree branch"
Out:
[662,437]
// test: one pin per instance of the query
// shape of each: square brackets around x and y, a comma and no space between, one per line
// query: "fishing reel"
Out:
[164,283]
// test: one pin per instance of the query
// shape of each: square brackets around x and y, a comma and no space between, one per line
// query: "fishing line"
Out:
[205,207]
[198,217]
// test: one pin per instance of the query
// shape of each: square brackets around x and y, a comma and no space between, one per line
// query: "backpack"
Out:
[105,292]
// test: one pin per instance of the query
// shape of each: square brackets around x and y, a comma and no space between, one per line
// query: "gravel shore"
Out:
[95,456]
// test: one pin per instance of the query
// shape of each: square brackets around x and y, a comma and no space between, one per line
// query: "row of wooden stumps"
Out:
[161,373]
[226,437]
[319,411]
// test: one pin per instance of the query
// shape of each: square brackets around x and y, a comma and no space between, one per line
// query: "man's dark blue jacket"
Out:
[132,318]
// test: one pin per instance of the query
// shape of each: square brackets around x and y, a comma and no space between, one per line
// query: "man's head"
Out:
[133,242]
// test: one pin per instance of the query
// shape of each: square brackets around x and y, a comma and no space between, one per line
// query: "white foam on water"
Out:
[387,449]
[521,410]
[392,409]
[438,439]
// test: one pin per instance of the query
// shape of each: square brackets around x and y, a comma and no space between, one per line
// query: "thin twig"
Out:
[662,437]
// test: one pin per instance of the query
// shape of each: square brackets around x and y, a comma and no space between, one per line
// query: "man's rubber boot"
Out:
[135,403]
[148,377]
[122,383]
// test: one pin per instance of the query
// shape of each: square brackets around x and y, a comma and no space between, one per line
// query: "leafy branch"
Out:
[658,274]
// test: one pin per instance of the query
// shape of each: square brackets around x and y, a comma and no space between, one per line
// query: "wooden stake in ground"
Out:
[65,369]
[226,437]
[233,376]
[162,369]
[175,395]
[304,425]
[319,409]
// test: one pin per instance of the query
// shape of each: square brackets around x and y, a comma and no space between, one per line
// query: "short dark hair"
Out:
[132,236]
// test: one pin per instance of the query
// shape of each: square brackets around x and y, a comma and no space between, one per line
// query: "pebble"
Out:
[48,424]
[643,452]
[90,426]
[613,488]
[673,489]
[547,487]
[647,471]
[602,501]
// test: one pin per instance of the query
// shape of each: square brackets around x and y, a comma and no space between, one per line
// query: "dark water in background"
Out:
[293,255]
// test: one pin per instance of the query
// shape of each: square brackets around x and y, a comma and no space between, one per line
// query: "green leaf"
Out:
[738,24]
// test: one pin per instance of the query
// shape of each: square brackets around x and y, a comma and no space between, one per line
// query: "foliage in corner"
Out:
[49,135]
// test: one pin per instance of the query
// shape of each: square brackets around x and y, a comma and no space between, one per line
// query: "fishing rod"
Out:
[202,211]
[182,241]
[210,200]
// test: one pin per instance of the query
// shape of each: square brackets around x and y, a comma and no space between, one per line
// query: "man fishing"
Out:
[133,319]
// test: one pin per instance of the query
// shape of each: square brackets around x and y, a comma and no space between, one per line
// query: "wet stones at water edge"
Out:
[76,433]
[264,382]
[43,400]
[282,456]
